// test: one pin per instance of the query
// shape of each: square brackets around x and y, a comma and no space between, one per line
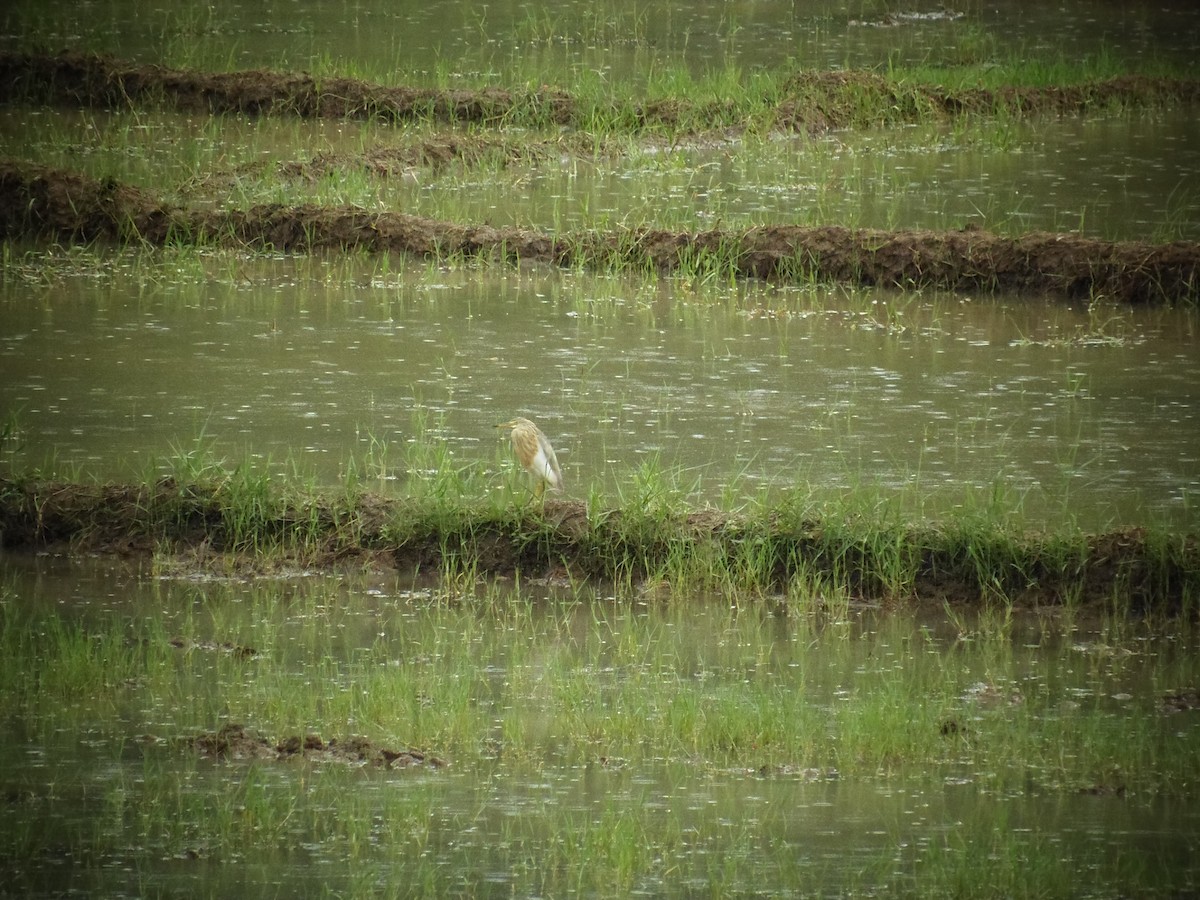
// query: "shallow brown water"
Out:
[447,38]
[937,402]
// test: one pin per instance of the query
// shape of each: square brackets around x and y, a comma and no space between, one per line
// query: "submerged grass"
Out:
[595,743]
[565,184]
[490,672]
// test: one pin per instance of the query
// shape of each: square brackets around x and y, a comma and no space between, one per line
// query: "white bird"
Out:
[534,453]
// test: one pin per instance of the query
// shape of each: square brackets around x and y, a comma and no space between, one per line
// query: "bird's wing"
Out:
[553,472]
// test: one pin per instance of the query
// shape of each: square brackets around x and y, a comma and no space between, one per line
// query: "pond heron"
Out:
[535,454]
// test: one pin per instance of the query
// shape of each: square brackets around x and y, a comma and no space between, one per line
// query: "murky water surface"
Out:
[946,401]
[445,38]
[102,800]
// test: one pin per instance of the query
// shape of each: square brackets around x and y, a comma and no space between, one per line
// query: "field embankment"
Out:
[38,202]
[806,100]
[228,527]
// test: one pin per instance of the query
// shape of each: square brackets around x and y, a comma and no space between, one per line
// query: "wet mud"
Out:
[1141,572]
[46,203]
[236,742]
[1181,701]
[238,650]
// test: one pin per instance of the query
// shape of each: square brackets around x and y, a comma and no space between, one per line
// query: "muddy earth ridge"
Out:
[43,203]
[183,526]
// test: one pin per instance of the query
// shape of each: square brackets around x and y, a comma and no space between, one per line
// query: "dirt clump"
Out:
[408,161]
[1181,701]
[240,651]
[236,742]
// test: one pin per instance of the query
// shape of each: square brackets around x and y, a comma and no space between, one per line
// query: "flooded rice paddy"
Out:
[586,743]
[1059,414]
[448,39]
[168,729]
[1117,177]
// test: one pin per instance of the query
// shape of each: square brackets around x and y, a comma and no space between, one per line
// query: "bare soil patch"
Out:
[236,742]
[40,202]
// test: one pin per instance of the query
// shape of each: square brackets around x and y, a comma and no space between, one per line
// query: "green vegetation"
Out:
[671,103]
[669,100]
[648,700]
[449,515]
[612,181]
